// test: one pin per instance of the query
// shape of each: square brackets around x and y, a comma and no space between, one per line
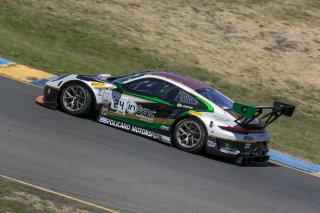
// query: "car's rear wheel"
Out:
[75,99]
[189,135]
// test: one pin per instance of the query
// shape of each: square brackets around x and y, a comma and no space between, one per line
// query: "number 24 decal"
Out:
[120,105]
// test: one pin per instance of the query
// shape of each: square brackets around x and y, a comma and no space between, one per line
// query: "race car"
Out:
[171,108]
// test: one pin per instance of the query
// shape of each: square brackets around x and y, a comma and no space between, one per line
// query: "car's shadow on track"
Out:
[254,164]
[229,161]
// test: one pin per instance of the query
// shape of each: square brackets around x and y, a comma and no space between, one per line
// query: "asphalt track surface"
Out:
[109,167]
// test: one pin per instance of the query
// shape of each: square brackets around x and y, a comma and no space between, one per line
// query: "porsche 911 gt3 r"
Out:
[170,108]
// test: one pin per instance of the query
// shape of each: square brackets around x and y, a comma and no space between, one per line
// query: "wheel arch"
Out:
[190,117]
[81,83]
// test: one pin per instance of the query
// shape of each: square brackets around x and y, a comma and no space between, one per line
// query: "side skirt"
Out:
[146,132]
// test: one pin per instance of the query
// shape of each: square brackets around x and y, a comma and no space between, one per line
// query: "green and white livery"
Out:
[170,108]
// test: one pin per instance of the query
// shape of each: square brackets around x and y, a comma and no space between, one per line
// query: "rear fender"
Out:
[191,117]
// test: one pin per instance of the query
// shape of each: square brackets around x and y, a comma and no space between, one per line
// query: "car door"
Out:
[149,103]
[142,104]
[158,103]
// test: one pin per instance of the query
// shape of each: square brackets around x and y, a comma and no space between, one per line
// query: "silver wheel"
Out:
[189,134]
[74,98]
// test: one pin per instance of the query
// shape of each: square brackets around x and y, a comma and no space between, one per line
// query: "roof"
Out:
[189,82]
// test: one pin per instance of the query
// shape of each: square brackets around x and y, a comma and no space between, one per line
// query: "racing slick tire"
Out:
[189,135]
[75,99]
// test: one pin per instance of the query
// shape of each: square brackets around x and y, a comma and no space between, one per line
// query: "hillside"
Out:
[251,50]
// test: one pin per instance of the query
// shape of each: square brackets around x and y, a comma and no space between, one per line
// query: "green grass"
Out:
[44,39]
[11,206]
[18,198]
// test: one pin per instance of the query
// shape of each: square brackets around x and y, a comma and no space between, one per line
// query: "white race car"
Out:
[170,108]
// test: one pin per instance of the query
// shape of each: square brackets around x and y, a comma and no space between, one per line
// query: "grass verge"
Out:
[20,199]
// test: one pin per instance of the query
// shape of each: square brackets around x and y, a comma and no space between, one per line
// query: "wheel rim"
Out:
[189,134]
[74,98]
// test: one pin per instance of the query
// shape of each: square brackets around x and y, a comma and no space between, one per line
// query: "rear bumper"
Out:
[239,152]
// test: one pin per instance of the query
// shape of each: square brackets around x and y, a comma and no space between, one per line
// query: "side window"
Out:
[185,99]
[150,87]
[139,86]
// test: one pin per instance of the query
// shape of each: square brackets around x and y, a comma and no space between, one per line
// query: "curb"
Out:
[5,61]
[294,162]
[23,73]
[39,78]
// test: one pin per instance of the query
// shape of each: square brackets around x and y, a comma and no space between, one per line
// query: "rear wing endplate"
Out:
[249,113]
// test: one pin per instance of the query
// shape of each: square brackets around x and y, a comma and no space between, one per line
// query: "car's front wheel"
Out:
[75,99]
[189,135]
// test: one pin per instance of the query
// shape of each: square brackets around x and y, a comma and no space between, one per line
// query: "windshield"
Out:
[128,77]
[216,97]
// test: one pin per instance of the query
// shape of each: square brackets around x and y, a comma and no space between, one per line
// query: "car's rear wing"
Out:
[260,116]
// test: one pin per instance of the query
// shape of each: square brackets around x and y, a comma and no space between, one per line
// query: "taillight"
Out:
[241,129]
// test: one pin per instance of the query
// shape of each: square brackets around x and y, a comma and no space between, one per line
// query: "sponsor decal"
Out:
[227,145]
[146,119]
[211,143]
[165,138]
[134,129]
[145,112]
[195,113]
[115,123]
[247,146]
[132,107]
[104,109]
[123,105]
[107,96]
[185,106]
[98,84]
[248,138]
[188,107]
[145,132]
[163,127]
[119,105]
